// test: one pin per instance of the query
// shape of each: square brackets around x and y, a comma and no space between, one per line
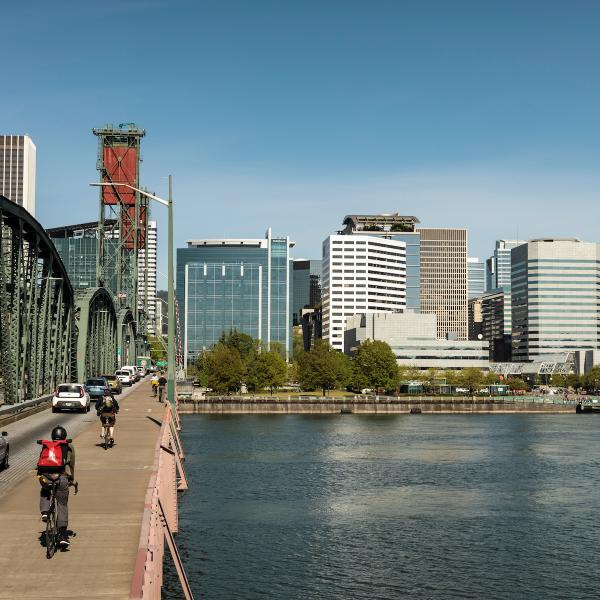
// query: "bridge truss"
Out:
[37,329]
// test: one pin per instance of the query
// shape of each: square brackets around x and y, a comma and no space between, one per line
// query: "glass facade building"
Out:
[306,286]
[241,284]
[476,275]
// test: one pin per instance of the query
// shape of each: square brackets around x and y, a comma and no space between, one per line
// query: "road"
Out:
[22,436]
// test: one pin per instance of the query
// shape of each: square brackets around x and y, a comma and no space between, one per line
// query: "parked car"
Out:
[71,396]
[96,387]
[4,450]
[124,376]
[113,383]
[134,372]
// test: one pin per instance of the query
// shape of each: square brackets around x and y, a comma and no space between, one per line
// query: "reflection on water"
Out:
[352,507]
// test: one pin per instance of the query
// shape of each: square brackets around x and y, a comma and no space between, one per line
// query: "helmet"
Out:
[59,433]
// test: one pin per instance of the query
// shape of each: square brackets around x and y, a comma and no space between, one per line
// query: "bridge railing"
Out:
[160,519]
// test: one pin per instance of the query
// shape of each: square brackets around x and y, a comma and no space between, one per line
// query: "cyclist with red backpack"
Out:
[57,463]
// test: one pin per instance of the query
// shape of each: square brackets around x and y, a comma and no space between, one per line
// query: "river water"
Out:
[346,507]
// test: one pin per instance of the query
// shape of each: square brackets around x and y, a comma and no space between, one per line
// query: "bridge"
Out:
[125,516]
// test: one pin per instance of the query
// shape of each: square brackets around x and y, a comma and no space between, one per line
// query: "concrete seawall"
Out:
[373,405]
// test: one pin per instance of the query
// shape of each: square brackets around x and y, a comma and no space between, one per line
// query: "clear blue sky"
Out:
[293,114]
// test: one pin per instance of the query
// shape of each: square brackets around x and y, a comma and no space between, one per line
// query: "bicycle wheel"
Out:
[51,528]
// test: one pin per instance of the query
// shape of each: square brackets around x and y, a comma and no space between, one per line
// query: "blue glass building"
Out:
[241,284]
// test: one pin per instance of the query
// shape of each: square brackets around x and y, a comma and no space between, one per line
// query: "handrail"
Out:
[160,518]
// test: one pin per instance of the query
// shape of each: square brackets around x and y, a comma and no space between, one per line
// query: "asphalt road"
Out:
[23,434]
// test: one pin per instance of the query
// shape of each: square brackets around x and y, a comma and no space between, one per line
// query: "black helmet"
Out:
[59,433]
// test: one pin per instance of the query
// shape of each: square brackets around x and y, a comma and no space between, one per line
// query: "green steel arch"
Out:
[37,329]
[126,337]
[96,332]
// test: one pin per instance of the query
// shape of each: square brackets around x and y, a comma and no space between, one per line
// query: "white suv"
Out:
[71,396]
[125,376]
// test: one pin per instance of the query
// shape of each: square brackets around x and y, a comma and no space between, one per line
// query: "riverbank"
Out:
[374,405]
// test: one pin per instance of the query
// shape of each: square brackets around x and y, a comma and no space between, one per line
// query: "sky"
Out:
[291,115]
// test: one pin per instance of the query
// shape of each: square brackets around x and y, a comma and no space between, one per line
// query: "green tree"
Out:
[559,380]
[323,368]
[246,346]
[516,384]
[201,368]
[157,348]
[592,379]
[225,369]
[374,366]
[267,370]
[471,378]
[573,380]
[452,377]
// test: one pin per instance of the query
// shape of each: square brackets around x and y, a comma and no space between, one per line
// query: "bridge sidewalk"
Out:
[105,515]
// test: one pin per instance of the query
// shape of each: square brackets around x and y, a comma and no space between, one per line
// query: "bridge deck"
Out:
[105,516]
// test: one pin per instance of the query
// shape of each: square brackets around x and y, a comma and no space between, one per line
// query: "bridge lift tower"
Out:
[119,245]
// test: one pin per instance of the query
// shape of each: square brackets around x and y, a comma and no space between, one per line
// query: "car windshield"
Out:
[110,377]
[95,382]
[68,389]
[123,373]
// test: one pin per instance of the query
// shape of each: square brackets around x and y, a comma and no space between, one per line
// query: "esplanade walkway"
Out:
[105,516]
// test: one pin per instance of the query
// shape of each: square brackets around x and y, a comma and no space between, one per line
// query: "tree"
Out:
[267,370]
[573,380]
[157,348]
[225,369]
[201,368]
[592,379]
[452,377]
[324,368]
[559,380]
[245,344]
[516,384]
[471,378]
[374,366]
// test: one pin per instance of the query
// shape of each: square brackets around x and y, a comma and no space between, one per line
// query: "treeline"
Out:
[238,360]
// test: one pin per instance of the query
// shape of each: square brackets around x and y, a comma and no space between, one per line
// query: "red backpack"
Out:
[53,456]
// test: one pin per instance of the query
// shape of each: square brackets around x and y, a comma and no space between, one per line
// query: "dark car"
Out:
[97,386]
[4,448]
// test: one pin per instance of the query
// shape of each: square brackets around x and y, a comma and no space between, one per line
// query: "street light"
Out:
[171,296]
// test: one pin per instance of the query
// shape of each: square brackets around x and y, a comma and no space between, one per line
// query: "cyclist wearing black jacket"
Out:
[107,409]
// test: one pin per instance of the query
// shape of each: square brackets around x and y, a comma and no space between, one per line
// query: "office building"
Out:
[147,277]
[444,282]
[77,246]
[306,275]
[555,303]
[497,267]
[488,316]
[413,339]
[161,316]
[17,170]
[476,277]
[396,227]
[241,284]
[361,274]
[475,319]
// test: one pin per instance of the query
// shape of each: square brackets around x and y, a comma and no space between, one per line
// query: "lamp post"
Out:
[171,294]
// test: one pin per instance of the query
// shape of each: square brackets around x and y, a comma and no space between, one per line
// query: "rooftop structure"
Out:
[383,224]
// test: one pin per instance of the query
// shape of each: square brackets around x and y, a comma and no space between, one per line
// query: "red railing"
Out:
[160,520]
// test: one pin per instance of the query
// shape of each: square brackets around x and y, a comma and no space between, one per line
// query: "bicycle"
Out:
[106,432]
[51,526]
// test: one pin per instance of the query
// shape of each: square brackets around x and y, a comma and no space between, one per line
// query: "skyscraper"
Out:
[306,286]
[147,276]
[555,303]
[17,170]
[444,279]
[401,228]
[476,276]
[497,267]
[241,284]
[361,274]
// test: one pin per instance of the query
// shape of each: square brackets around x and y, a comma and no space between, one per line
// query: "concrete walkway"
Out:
[105,516]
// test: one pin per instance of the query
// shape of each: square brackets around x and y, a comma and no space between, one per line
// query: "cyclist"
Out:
[107,408]
[154,382]
[162,382]
[66,477]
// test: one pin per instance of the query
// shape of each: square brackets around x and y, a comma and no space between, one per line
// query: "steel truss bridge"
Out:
[50,333]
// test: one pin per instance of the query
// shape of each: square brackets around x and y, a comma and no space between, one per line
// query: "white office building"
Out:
[147,277]
[413,339]
[17,170]
[361,274]
[555,302]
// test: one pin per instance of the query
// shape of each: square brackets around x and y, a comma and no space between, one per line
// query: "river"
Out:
[382,507]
